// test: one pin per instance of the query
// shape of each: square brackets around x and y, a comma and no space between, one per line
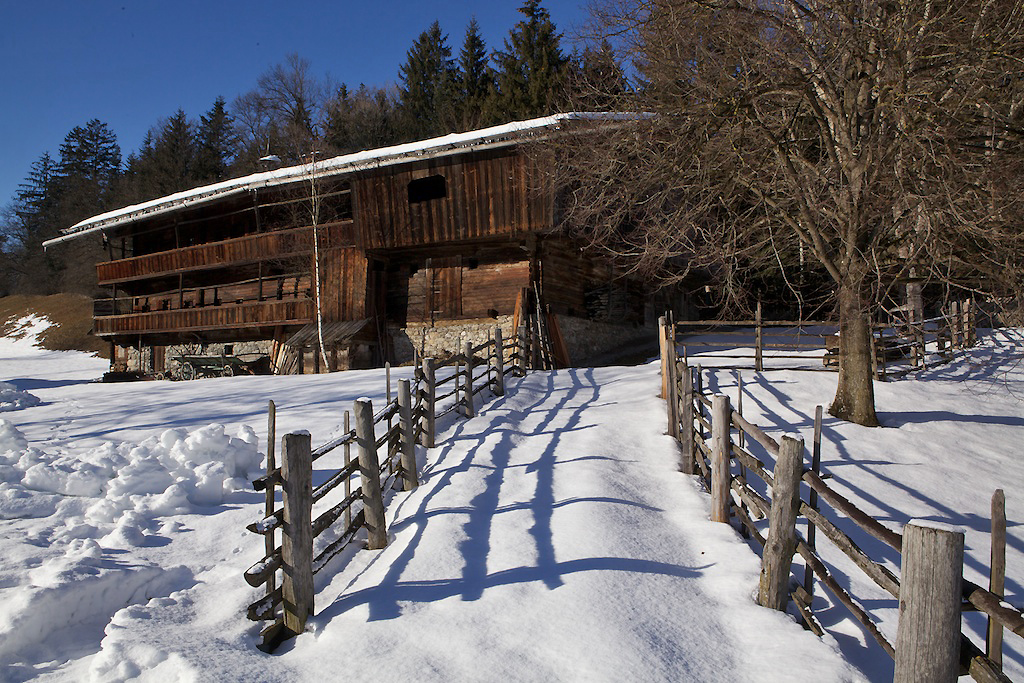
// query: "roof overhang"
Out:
[455,143]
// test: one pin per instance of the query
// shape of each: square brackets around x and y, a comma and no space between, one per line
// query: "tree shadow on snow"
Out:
[493,448]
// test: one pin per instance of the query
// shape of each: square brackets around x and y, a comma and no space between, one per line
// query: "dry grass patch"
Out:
[71,315]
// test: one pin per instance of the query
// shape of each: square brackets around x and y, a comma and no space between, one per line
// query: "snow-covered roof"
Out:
[506,134]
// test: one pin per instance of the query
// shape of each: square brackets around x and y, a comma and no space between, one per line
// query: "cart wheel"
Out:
[188,371]
[228,371]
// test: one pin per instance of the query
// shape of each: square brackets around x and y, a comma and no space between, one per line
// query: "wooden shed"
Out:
[418,243]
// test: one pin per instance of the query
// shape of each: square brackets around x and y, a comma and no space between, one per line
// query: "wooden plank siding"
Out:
[487,194]
[222,254]
[258,314]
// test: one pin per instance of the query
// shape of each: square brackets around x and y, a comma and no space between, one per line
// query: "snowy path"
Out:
[551,539]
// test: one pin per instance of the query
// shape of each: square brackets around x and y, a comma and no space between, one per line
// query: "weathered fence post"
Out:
[470,409]
[369,471]
[781,542]
[297,541]
[812,499]
[499,363]
[430,388]
[663,351]
[954,326]
[759,341]
[270,540]
[409,474]
[997,575]
[348,459]
[928,635]
[672,394]
[721,419]
[972,323]
[686,420]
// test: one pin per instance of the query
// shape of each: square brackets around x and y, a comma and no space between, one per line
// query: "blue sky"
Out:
[132,62]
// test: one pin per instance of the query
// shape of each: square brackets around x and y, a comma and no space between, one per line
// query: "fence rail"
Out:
[715,442]
[385,443]
[900,346]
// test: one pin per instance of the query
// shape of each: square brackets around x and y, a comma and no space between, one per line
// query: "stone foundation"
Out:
[444,338]
[585,339]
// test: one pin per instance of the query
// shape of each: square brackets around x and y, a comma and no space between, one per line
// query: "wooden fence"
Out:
[900,346]
[385,444]
[721,446]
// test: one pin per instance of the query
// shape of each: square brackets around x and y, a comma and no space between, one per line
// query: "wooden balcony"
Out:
[227,316]
[238,251]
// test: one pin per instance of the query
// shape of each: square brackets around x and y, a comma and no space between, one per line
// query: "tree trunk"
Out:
[855,395]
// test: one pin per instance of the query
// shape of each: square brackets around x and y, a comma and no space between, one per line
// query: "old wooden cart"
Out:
[191,367]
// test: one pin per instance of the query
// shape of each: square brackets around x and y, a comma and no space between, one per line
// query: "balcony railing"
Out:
[226,316]
[239,250]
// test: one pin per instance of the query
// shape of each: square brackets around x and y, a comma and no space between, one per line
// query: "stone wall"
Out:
[585,339]
[134,359]
[444,338]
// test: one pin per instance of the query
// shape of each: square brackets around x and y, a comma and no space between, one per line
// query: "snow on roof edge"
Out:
[344,163]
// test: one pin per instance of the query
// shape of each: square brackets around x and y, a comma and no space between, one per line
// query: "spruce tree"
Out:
[531,68]
[474,80]
[217,141]
[428,85]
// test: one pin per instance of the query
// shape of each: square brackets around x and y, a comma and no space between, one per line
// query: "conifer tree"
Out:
[428,85]
[474,79]
[531,68]
[216,140]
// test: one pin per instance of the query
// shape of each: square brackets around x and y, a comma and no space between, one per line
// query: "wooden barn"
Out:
[406,249]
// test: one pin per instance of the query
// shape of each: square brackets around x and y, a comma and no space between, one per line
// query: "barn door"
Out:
[444,288]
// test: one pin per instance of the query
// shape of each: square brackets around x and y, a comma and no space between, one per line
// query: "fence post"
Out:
[348,459]
[672,395]
[721,419]
[409,474]
[781,542]
[997,575]
[499,363]
[928,635]
[369,471]
[270,540]
[470,410]
[759,345]
[812,499]
[297,541]
[663,351]
[954,325]
[972,323]
[686,420]
[430,388]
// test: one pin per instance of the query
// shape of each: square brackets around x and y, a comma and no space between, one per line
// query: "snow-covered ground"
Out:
[551,539]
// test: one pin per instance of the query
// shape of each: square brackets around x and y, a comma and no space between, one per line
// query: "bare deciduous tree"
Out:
[882,136]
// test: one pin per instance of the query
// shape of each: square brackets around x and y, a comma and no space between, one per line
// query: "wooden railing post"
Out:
[928,635]
[663,351]
[759,346]
[780,545]
[470,411]
[369,471]
[430,389]
[499,363]
[672,395]
[997,575]
[270,539]
[297,541]
[721,420]
[954,326]
[971,333]
[409,474]
[812,500]
[686,420]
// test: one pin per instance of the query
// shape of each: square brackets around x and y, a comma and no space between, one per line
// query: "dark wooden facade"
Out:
[456,236]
